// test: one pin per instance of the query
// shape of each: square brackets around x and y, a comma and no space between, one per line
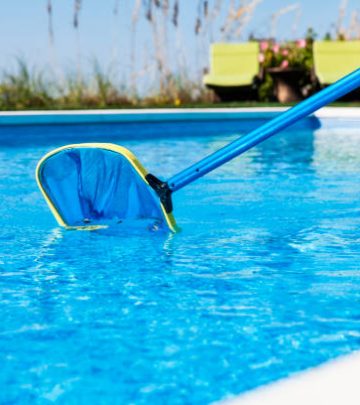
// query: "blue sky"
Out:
[102,35]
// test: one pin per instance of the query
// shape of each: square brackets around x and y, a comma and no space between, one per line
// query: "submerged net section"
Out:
[96,186]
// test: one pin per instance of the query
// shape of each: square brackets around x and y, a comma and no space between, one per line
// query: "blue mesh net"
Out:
[94,186]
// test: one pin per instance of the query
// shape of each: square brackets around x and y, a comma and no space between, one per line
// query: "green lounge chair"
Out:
[232,66]
[334,59]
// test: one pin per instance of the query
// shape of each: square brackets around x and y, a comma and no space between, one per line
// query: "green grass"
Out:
[31,89]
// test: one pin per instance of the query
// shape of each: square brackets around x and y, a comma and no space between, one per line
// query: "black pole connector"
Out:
[162,189]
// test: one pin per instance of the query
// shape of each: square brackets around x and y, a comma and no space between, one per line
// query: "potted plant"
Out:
[288,65]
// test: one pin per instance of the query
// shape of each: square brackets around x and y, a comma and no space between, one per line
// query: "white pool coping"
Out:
[157,115]
[140,111]
[334,383]
[325,111]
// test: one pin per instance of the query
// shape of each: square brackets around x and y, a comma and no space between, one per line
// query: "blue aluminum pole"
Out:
[290,116]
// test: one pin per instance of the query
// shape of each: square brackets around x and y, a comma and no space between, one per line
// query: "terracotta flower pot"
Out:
[287,83]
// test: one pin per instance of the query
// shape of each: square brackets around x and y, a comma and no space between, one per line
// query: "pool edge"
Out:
[156,115]
[334,382]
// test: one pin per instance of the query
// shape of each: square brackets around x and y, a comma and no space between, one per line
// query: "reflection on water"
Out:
[262,281]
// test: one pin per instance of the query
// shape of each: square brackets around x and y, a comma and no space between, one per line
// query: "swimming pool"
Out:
[262,281]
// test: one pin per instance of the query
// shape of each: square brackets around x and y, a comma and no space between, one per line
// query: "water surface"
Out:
[262,281]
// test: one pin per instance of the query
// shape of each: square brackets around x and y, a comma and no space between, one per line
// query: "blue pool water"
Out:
[263,280]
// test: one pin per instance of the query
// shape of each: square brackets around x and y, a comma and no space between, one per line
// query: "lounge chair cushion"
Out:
[233,64]
[335,59]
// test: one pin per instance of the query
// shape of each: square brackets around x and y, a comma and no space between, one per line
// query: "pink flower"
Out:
[301,43]
[285,52]
[284,64]
[276,48]
[264,45]
[261,58]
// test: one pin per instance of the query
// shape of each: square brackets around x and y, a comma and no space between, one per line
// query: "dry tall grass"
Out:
[163,18]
